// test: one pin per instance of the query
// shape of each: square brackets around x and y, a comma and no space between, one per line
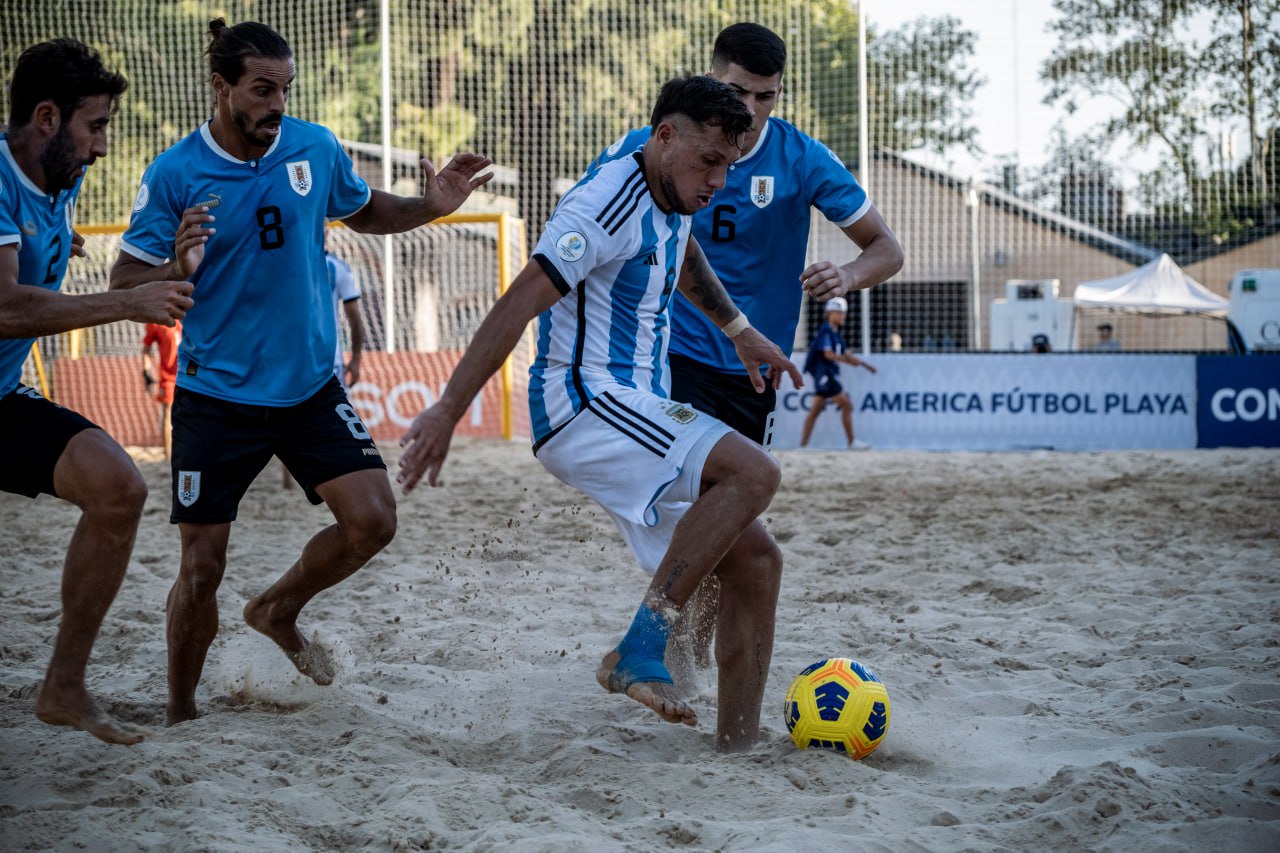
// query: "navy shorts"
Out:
[219,447]
[828,386]
[34,433]
[727,397]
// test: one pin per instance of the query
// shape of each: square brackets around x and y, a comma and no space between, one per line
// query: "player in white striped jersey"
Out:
[684,489]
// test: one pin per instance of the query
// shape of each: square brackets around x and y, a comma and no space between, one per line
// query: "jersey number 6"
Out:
[722,228]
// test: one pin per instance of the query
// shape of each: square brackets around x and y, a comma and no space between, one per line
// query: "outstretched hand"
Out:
[426,446]
[754,349]
[444,191]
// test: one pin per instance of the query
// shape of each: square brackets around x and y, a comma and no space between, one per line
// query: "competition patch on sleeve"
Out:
[143,197]
[571,246]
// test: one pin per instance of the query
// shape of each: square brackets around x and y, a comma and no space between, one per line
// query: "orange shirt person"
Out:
[161,379]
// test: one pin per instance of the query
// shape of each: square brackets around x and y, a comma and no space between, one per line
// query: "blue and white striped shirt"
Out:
[615,257]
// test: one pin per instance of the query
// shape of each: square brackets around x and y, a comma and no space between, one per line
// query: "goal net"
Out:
[447,276]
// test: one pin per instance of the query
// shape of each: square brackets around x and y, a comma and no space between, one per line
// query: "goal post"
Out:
[449,274]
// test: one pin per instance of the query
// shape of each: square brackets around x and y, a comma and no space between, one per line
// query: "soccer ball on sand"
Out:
[838,704]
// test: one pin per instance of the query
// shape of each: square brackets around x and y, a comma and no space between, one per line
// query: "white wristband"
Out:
[736,326]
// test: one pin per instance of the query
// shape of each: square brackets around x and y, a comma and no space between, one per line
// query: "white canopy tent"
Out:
[1159,287]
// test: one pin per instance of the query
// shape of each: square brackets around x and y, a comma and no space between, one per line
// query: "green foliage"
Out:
[541,86]
[1181,72]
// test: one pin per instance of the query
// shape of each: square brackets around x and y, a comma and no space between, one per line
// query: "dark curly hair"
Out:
[63,70]
[706,101]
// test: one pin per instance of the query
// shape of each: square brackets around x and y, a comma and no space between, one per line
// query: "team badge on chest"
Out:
[300,176]
[761,190]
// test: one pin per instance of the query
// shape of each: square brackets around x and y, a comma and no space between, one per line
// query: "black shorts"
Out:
[828,386]
[728,397]
[219,447]
[34,433]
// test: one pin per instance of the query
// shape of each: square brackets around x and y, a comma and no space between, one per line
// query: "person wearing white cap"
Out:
[825,354]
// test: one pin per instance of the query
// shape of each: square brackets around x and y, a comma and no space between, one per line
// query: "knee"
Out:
[108,488]
[371,531]
[202,569]
[763,477]
[755,561]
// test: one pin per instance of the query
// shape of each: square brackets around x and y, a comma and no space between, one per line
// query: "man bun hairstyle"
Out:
[230,46]
[757,49]
[704,100]
[63,70]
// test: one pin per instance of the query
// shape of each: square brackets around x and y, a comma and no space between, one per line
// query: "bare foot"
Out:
[77,710]
[314,662]
[661,698]
[310,658]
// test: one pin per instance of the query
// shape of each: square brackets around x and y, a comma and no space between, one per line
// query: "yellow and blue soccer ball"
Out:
[840,705]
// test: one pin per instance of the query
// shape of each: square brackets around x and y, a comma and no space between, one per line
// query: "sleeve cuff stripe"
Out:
[554,274]
[141,255]
[858,214]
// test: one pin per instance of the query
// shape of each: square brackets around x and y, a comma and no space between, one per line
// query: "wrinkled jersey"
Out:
[755,233]
[262,330]
[614,257]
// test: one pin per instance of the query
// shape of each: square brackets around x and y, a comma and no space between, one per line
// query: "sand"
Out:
[1081,651]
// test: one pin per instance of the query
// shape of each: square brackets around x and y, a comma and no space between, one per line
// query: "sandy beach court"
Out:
[1081,650]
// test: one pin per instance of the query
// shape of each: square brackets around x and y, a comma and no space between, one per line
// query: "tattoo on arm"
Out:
[706,291]
[677,572]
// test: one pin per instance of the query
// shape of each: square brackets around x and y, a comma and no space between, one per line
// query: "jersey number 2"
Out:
[51,274]
[271,231]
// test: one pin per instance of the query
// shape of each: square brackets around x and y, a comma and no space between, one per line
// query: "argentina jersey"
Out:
[614,257]
[39,226]
[755,233]
[262,330]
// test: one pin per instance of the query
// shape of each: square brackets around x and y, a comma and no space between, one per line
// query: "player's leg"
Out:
[364,510]
[95,474]
[750,577]
[166,427]
[191,612]
[733,400]
[219,448]
[816,406]
[739,479]
[846,416]
[334,460]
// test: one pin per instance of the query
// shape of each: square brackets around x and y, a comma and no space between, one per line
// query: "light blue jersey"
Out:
[39,224]
[755,233]
[615,257]
[262,330]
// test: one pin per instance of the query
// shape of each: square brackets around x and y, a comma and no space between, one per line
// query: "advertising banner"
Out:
[393,388]
[1239,401]
[1005,402]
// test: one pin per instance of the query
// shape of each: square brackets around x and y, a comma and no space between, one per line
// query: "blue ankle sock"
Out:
[644,648]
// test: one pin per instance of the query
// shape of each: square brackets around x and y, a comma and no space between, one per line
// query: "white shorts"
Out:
[640,457]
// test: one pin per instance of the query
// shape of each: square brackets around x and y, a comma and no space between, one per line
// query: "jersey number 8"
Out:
[271,233]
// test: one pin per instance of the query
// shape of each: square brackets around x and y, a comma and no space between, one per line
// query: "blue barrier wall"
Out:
[1238,401]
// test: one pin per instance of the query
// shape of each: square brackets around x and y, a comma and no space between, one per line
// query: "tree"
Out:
[921,86]
[1146,57]
[1243,58]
